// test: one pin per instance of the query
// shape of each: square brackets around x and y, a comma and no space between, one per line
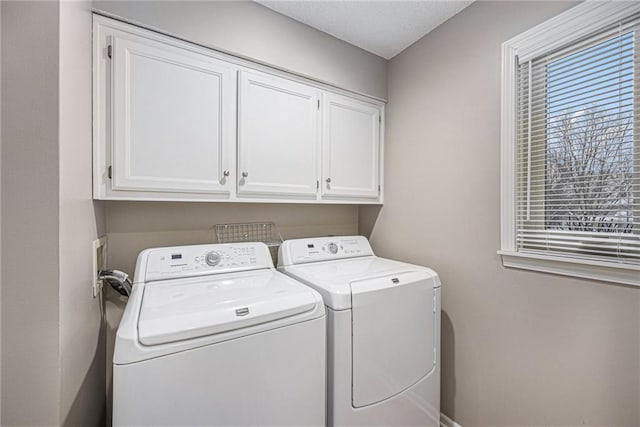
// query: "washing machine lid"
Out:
[333,278]
[181,309]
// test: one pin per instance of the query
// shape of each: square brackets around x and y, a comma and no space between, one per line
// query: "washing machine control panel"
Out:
[324,249]
[187,261]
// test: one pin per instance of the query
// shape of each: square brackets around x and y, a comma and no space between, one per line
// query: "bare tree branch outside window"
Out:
[589,173]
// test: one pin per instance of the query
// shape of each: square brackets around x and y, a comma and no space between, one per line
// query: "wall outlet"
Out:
[99,256]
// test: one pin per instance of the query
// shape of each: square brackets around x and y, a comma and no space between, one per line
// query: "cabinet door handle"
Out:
[226,173]
[328,180]
[245,174]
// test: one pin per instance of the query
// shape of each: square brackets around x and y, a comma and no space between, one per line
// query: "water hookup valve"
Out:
[119,280]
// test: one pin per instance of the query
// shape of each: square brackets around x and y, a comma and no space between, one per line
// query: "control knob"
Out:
[333,248]
[212,258]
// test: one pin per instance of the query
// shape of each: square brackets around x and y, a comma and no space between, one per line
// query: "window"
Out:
[571,145]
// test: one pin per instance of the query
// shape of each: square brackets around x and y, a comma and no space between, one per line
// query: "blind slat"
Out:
[609,106]
[580,121]
[587,72]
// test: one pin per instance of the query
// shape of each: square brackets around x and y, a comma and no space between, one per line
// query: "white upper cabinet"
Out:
[350,148]
[177,121]
[278,137]
[172,118]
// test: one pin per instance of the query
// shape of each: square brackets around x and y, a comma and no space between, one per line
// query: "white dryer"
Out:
[383,334]
[214,335]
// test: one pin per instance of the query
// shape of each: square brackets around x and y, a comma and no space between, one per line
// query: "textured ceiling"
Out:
[384,28]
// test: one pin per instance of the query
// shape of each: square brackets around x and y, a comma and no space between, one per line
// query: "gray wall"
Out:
[52,341]
[30,217]
[248,29]
[519,348]
[134,226]
[82,342]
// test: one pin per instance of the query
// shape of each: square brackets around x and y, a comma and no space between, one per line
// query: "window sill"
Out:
[587,269]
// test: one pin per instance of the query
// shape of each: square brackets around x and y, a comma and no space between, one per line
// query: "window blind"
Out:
[578,149]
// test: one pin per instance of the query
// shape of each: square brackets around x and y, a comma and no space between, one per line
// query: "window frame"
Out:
[576,23]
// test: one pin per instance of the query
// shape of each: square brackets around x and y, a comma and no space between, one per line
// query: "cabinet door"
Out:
[277,137]
[173,118]
[351,146]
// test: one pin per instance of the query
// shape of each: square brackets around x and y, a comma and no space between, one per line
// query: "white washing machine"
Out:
[383,334]
[214,335]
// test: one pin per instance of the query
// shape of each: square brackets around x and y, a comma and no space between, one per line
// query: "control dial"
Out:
[333,248]
[212,258]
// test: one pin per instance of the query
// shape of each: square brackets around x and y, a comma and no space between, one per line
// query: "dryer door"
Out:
[393,334]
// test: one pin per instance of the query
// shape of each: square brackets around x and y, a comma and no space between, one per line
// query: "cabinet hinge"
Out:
[318,104]
[380,119]
[379,189]
[317,185]
[109,50]
[109,172]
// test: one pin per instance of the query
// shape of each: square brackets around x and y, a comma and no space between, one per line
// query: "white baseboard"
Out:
[447,422]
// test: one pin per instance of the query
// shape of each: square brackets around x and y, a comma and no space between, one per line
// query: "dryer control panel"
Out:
[187,261]
[300,251]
